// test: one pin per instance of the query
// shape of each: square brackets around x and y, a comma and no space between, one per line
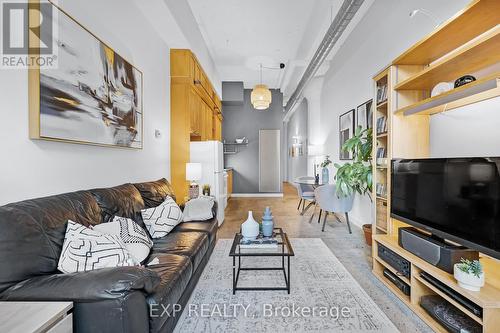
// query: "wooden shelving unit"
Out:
[485,88]
[477,54]
[381,139]
[468,43]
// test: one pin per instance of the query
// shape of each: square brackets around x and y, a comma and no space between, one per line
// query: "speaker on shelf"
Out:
[435,252]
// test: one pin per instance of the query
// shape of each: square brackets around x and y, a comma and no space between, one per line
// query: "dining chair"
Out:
[305,192]
[329,202]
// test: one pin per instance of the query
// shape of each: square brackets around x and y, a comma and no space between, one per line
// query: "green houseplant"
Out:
[356,177]
[469,274]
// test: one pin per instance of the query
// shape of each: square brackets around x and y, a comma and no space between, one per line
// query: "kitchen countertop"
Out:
[228,169]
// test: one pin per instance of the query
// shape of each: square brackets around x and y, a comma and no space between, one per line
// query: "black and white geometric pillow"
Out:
[162,219]
[131,234]
[85,249]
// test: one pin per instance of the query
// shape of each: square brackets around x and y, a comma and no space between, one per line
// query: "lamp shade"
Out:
[261,97]
[315,150]
[193,171]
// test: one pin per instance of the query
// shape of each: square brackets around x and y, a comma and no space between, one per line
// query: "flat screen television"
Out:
[453,198]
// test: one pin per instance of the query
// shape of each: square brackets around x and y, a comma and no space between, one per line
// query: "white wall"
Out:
[384,32]
[31,168]
[467,132]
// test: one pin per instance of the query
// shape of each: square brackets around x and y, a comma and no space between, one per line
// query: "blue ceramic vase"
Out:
[267,223]
[325,176]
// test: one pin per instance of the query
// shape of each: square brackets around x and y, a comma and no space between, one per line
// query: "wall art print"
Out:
[94,96]
[346,131]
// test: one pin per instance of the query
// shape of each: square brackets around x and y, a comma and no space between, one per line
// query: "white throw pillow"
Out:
[85,249]
[162,219]
[199,209]
[131,234]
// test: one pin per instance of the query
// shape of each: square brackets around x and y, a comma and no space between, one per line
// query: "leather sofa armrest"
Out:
[101,284]
[214,210]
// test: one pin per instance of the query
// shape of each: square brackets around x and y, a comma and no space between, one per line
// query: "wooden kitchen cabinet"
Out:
[194,110]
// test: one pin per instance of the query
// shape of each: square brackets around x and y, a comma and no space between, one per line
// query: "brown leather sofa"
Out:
[123,299]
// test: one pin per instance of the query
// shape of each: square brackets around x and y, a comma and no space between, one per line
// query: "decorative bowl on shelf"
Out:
[240,140]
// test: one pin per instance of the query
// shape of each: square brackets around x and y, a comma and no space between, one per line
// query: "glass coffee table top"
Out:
[284,247]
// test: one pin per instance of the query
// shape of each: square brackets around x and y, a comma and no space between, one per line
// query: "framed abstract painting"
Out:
[346,131]
[364,115]
[93,96]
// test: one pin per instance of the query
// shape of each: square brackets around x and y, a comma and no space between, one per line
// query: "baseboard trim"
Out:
[257,195]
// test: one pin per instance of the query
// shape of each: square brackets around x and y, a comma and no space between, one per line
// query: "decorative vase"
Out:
[325,176]
[468,281]
[250,228]
[267,223]
[206,191]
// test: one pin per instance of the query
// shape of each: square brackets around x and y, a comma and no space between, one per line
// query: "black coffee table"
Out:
[284,250]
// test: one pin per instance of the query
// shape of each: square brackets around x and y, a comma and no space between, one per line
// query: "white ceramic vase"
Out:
[468,281]
[250,228]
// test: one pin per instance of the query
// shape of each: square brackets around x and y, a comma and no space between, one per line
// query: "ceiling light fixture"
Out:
[261,96]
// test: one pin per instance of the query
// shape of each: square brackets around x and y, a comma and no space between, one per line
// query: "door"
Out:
[269,161]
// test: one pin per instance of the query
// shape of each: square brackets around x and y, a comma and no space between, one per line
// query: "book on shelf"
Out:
[382,125]
[381,94]
[381,153]
[259,243]
[381,190]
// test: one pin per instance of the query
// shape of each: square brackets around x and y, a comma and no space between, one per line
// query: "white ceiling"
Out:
[242,34]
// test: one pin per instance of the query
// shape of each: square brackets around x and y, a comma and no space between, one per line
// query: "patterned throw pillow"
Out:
[162,219]
[85,249]
[134,237]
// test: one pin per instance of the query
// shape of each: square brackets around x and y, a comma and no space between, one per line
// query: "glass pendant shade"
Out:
[261,97]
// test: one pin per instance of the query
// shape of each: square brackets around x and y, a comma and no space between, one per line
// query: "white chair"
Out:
[328,201]
[305,192]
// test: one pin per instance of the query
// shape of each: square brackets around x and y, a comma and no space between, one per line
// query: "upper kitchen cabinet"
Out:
[195,113]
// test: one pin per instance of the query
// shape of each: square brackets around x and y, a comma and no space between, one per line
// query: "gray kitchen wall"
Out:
[245,121]
[297,127]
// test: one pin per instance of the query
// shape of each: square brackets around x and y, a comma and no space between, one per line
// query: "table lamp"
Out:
[193,174]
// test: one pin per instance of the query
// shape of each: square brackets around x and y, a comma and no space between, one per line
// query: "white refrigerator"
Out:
[211,156]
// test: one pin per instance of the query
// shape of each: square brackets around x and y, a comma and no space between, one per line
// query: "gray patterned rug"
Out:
[324,296]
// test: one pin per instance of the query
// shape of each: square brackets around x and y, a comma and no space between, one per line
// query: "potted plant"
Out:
[356,177]
[206,190]
[469,274]
[325,174]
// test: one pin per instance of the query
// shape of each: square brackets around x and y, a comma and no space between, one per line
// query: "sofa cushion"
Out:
[135,238]
[175,272]
[124,201]
[162,219]
[86,249]
[155,193]
[209,227]
[32,233]
[193,245]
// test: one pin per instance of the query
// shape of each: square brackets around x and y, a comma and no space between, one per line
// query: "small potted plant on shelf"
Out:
[206,190]
[469,274]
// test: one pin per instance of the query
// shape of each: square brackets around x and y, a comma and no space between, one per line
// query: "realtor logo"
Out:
[27,35]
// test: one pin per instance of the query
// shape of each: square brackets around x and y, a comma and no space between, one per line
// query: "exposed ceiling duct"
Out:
[345,14]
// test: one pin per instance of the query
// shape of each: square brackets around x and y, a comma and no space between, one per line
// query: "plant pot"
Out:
[468,281]
[367,229]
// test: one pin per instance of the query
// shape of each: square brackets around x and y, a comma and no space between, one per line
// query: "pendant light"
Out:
[261,96]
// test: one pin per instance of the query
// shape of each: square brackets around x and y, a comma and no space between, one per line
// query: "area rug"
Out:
[324,297]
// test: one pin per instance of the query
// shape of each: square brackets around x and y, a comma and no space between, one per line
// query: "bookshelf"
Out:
[468,43]
[381,137]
